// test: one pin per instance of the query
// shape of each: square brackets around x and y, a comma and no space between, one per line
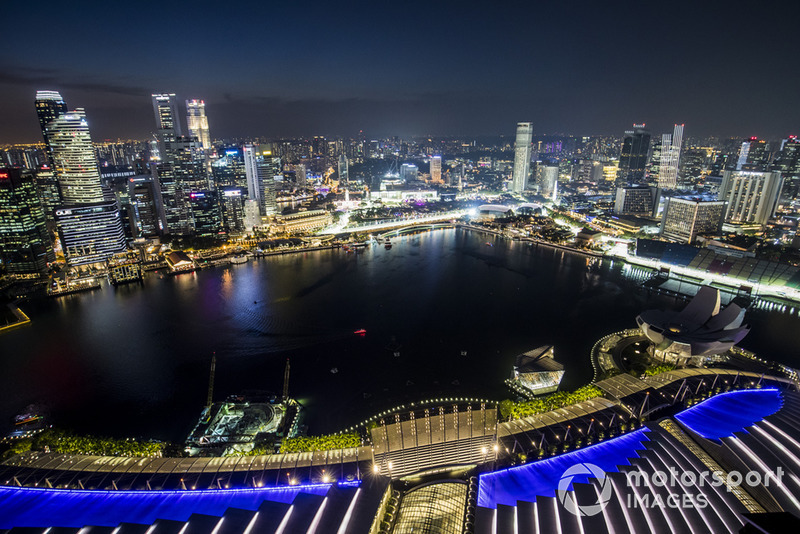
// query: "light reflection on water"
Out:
[134,360]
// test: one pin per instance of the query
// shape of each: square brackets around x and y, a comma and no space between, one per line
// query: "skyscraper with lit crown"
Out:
[74,159]
[197,121]
[88,222]
[49,106]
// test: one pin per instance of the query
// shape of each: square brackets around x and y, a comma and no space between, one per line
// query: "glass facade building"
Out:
[522,157]
[25,246]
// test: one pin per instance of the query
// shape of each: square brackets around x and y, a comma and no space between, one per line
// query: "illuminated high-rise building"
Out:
[197,121]
[49,106]
[522,157]
[182,168]
[686,218]
[670,158]
[547,180]
[753,155]
[25,246]
[752,196]
[88,221]
[300,174]
[232,204]
[344,172]
[408,172]
[74,158]
[634,154]
[145,201]
[436,169]
[262,168]
[788,164]
[165,107]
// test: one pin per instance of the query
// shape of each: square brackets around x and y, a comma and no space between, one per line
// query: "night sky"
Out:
[297,68]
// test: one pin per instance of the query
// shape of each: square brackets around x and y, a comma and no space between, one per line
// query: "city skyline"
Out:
[578,70]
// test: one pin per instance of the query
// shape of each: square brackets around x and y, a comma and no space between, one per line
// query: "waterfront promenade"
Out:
[448,437]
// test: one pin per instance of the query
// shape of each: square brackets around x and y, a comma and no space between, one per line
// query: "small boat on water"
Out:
[360,332]
[240,258]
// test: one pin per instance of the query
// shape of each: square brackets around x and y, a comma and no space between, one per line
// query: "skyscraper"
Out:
[633,156]
[408,172]
[197,121]
[49,106]
[754,153]
[232,204]
[522,157]
[670,158]
[25,247]
[788,164]
[75,162]
[168,125]
[300,174]
[686,218]
[145,201]
[344,172]
[752,196]
[637,200]
[436,169]
[182,168]
[547,180]
[262,168]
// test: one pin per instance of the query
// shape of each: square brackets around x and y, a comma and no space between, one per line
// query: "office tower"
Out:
[206,216]
[547,180]
[249,156]
[319,146]
[88,223]
[165,107]
[228,170]
[49,194]
[670,158]
[182,168]
[686,218]
[633,156]
[177,217]
[188,164]
[49,106]
[752,196]
[344,172]
[25,246]
[436,169]
[522,157]
[145,201]
[788,164]
[90,233]
[252,214]
[637,200]
[262,168]
[300,174]
[232,204]
[408,172]
[75,162]
[197,121]
[753,153]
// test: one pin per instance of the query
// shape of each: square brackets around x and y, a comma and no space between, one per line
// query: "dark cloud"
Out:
[466,68]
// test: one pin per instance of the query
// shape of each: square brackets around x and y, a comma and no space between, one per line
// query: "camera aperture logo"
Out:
[567,498]
[673,480]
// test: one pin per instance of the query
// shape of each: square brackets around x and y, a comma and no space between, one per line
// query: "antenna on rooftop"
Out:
[286,381]
[211,380]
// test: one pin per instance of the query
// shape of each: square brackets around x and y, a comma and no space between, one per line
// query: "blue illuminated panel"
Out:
[525,482]
[39,507]
[726,413]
